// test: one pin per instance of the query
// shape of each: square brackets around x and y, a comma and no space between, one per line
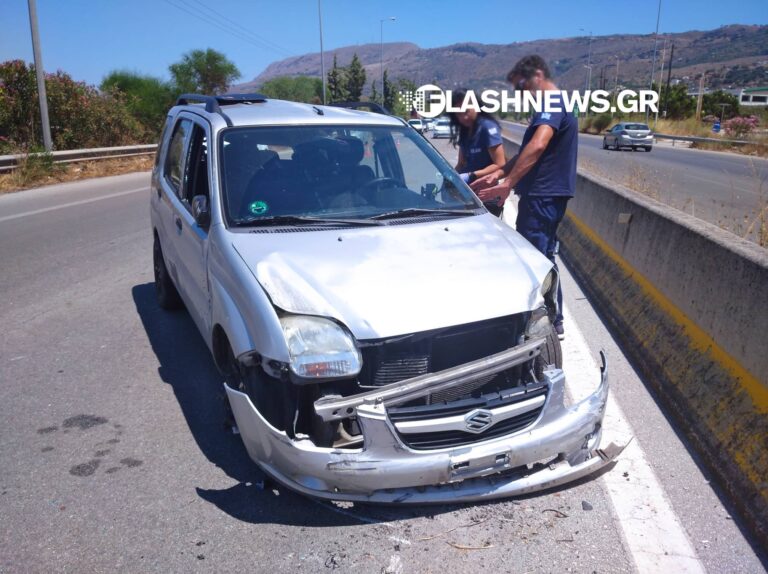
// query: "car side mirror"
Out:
[201,211]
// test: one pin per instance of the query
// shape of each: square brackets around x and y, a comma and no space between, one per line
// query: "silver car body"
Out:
[442,128]
[372,281]
[628,134]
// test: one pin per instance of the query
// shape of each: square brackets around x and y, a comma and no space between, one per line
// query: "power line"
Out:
[250,38]
[265,41]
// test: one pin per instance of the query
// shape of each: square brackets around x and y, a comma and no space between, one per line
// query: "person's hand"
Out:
[486,181]
[498,193]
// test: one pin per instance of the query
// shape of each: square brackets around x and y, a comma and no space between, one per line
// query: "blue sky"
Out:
[88,38]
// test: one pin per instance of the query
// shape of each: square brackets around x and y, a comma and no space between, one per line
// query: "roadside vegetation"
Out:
[736,122]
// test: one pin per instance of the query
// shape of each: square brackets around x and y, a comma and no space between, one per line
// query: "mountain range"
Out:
[732,56]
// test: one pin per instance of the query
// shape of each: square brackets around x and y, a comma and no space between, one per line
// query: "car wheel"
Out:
[616,145]
[167,295]
[605,145]
[648,148]
[551,354]
[634,148]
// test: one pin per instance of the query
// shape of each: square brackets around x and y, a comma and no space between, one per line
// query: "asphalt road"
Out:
[726,189]
[115,457]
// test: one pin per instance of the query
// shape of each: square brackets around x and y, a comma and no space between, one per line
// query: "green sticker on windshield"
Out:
[258,207]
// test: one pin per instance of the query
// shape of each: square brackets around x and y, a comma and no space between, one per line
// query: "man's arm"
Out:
[518,166]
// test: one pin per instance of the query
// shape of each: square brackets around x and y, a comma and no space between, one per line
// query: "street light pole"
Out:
[322,54]
[47,142]
[381,61]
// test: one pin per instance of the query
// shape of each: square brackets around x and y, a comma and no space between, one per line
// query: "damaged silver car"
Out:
[383,337]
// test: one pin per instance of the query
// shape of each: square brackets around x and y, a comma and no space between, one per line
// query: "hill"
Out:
[731,56]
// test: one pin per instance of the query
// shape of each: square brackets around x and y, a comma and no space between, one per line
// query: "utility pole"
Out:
[653,65]
[700,99]
[47,142]
[669,77]
[661,79]
[322,54]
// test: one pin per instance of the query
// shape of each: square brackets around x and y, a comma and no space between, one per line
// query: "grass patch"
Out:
[36,170]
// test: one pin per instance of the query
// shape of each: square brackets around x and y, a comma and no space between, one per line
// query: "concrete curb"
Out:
[689,302]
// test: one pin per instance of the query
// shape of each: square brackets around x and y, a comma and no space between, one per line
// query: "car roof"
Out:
[269,112]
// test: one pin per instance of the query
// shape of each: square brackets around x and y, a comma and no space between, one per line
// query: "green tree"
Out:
[389,92]
[355,79]
[710,105]
[374,92]
[678,103]
[203,71]
[148,98]
[398,108]
[337,83]
[299,89]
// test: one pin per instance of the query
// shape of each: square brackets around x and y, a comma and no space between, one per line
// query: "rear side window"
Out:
[175,157]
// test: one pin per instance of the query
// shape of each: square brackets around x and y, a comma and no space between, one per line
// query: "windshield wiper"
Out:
[303,220]
[416,211]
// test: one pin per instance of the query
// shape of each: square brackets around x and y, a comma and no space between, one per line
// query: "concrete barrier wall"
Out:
[689,302]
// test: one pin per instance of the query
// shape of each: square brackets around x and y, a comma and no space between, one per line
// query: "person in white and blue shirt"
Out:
[478,136]
[543,174]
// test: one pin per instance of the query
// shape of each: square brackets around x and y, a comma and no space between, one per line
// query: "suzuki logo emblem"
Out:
[478,420]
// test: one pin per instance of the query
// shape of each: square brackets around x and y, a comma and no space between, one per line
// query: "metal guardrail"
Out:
[701,139]
[9,162]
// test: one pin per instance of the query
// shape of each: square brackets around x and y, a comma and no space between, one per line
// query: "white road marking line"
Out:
[71,204]
[654,535]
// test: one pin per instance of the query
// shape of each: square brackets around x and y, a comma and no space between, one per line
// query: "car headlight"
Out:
[539,326]
[319,348]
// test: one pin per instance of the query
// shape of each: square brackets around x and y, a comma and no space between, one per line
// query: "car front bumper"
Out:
[561,446]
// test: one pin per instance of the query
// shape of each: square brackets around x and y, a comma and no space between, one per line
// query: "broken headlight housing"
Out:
[549,291]
[319,348]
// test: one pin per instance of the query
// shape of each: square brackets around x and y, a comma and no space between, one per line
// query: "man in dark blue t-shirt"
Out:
[543,174]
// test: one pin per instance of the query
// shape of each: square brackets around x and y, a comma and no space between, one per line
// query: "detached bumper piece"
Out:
[518,442]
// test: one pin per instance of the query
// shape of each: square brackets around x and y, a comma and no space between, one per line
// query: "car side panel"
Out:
[239,304]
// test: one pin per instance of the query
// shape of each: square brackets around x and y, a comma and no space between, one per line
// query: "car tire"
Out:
[605,145]
[648,148]
[167,295]
[616,145]
[551,353]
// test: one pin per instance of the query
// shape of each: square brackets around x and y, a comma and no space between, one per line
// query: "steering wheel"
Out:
[379,182]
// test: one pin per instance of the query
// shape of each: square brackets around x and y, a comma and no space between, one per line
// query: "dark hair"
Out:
[459,132]
[527,67]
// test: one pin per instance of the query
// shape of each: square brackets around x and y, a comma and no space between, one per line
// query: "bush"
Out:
[80,116]
[740,127]
[601,122]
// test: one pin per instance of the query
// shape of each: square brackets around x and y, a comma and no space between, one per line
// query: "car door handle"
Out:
[177,221]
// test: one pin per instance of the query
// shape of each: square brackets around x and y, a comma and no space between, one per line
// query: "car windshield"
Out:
[636,127]
[335,172]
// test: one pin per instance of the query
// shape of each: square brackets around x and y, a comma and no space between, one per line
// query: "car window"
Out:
[195,166]
[637,127]
[175,158]
[333,171]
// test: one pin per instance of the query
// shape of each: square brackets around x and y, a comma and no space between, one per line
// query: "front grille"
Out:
[454,438]
[391,361]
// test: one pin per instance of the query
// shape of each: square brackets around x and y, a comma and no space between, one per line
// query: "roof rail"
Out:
[364,106]
[213,103]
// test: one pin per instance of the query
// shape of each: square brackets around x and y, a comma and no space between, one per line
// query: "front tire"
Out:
[551,354]
[167,295]
[648,149]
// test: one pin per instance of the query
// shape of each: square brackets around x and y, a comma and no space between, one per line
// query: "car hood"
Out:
[398,279]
